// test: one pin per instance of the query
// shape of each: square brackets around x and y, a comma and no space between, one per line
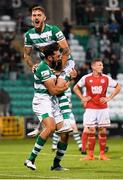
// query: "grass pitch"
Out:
[14,152]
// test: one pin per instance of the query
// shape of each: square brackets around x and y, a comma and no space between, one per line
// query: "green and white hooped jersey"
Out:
[49,35]
[42,73]
[38,40]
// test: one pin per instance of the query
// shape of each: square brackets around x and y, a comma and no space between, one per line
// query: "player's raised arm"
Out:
[65,51]
[61,40]
[27,56]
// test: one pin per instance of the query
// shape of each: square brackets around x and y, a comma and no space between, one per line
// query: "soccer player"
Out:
[46,107]
[75,132]
[40,36]
[95,103]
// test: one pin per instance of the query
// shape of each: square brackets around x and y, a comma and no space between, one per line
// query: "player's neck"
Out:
[48,62]
[96,74]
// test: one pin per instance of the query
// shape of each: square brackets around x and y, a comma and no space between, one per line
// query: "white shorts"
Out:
[69,66]
[46,106]
[72,119]
[96,118]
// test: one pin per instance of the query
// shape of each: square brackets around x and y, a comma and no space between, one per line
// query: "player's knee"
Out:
[52,129]
[64,137]
[92,130]
[86,130]
[102,130]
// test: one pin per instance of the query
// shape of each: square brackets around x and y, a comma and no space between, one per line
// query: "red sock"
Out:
[102,143]
[91,143]
[84,139]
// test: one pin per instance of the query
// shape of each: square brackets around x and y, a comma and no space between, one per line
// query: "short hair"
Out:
[96,60]
[38,8]
[49,49]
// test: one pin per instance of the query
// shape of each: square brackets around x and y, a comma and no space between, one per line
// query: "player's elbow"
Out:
[75,88]
[118,87]
[25,57]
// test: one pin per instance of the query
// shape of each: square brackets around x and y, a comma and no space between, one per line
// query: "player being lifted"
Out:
[75,132]
[42,35]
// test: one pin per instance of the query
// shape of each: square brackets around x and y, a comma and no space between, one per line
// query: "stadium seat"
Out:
[21,94]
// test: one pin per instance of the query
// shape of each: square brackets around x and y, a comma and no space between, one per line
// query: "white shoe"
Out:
[54,147]
[34,133]
[29,164]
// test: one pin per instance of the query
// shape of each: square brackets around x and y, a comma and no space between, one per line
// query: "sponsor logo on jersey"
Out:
[45,74]
[96,89]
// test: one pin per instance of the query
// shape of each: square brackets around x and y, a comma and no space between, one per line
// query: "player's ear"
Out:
[50,58]
[45,18]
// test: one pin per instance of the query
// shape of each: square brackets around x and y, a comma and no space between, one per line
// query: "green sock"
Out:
[37,147]
[61,149]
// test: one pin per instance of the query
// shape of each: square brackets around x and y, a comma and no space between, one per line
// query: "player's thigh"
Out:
[42,108]
[103,118]
[56,111]
[67,69]
[69,66]
[49,123]
[89,118]
[73,122]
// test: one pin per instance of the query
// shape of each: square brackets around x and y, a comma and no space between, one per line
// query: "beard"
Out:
[53,64]
[57,65]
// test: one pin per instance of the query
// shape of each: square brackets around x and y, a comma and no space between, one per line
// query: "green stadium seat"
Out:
[21,94]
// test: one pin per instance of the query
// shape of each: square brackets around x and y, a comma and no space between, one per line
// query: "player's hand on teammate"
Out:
[67,84]
[73,74]
[34,67]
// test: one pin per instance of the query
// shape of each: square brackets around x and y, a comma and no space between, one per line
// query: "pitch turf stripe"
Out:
[45,154]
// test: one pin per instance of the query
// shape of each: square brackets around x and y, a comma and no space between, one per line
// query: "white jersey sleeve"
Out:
[81,82]
[112,82]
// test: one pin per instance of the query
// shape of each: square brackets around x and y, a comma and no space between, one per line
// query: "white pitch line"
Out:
[36,177]
[20,175]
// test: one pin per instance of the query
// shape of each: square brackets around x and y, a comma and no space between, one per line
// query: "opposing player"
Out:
[46,107]
[95,102]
